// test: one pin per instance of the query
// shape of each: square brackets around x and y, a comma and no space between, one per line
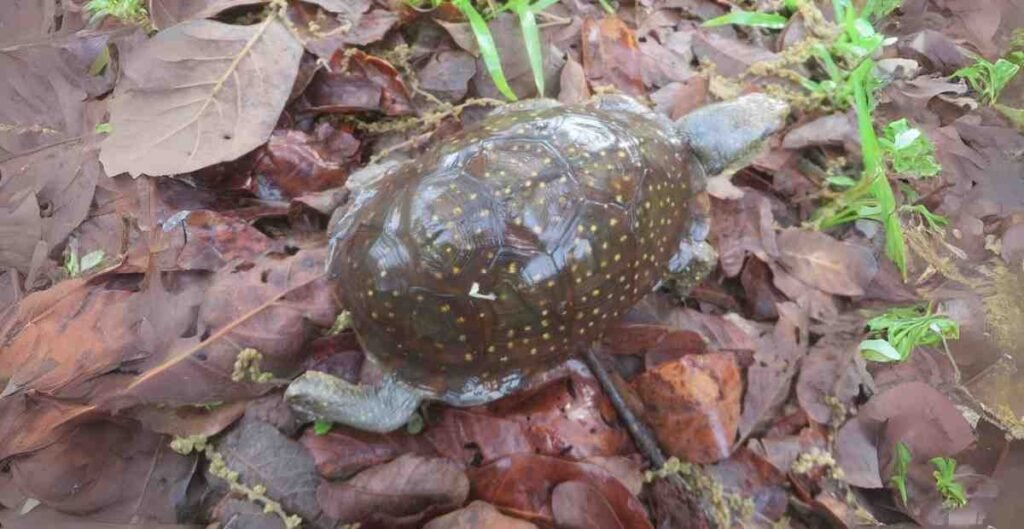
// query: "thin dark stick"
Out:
[642,435]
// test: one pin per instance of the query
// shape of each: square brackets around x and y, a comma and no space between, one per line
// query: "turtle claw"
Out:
[381,408]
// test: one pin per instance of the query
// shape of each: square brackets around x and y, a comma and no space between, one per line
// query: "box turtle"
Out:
[507,248]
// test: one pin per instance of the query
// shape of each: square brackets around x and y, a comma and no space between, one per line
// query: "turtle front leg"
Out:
[381,408]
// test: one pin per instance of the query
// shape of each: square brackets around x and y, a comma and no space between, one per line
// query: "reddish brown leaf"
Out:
[731,57]
[401,493]
[833,266]
[358,82]
[294,162]
[834,371]
[677,99]
[920,416]
[523,484]
[722,333]
[857,454]
[344,451]
[839,130]
[611,56]
[668,63]
[478,515]
[819,305]
[761,296]
[447,74]
[783,452]
[698,395]
[109,471]
[656,343]
[742,227]
[749,476]
[574,88]
[579,505]
[324,32]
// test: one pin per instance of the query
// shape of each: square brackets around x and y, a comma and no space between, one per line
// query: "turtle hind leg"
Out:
[383,407]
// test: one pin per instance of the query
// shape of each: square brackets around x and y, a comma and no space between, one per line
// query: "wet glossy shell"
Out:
[504,250]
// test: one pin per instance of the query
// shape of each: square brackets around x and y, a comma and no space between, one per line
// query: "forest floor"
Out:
[168,170]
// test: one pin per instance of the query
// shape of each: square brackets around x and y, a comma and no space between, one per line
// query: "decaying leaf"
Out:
[698,395]
[402,492]
[359,82]
[776,361]
[524,483]
[199,93]
[579,505]
[830,265]
[611,56]
[741,227]
[478,515]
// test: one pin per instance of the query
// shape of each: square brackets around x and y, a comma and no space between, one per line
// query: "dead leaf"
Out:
[776,361]
[199,93]
[26,20]
[941,53]
[270,304]
[343,452]
[166,13]
[447,74]
[294,162]
[920,416]
[522,484]
[747,475]
[574,88]
[782,452]
[677,99]
[579,505]
[325,32]
[400,493]
[611,56]
[838,130]
[761,297]
[109,471]
[857,454]
[731,57]
[478,515]
[698,395]
[819,305]
[742,227]
[656,343]
[819,260]
[832,374]
[508,35]
[358,82]
[262,455]
[664,64]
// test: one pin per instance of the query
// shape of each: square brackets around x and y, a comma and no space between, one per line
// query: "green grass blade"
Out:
[542,5]
[749,18]
[531,37]
[607,7]
[488,50]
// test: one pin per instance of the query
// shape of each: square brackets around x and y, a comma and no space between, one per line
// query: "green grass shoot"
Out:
[988,79]
[899,472]
[531,38]
[488,50]
[749,18]
[897,331]
[321,427]
[953,494]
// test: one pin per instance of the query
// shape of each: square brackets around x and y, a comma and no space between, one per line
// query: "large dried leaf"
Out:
[834,371]
[776,361]
[741,227]
[579,505]
[401,492]
[109,471]
[693,404]
[199,93]
[262,455]
[524,483]
[830,265]
[22,20]
[611,56]
[166,13]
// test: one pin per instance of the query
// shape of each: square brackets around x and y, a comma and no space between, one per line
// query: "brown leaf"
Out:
[270,304]
[478,515]
[508,35]
[698,395]
[343,451]
[358,82]
[611,56]
[166,13]
[574,88]
[742,227]
[940,52]
[731,57]
[262,455]
[199,93]
[579,505]
[819,260]
[819,305]
[523,483]
[664,64]
[761,297]
[676,99]
[749,476]
[784,451]
[324,32]
[447,74]
[26,20]
[857,454]
[402,492]
[294,162]
[776,361]
[833,372]
[109,471]
[839,130]
[920,416]
[656,343]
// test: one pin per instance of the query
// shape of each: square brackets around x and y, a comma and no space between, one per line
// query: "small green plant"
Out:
[127,11]
[75,266]
[908,150]
[953,494]
[322,427]
[104,128]
[899,330]
[899,471]
[988,79]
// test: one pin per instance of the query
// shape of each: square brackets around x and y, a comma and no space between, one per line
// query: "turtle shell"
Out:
[504,249]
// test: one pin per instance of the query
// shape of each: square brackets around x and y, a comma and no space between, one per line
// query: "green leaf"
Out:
[909,150]
[90,260]
[945,482]
[607,7]
[488,50]
[899,473]
[531,37]
[988,79]
[749,18]
[104,128]
[841,181]
[880,351]
[321,427]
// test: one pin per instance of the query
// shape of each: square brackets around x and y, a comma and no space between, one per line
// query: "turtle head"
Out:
[726,135]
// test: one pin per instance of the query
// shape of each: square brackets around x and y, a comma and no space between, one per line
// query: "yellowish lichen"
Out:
[247,367]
